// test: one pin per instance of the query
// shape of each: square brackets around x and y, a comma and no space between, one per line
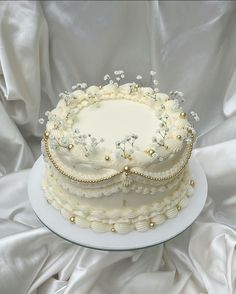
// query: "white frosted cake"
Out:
[116,157]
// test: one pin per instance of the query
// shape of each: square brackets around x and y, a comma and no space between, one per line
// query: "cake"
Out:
[116,156]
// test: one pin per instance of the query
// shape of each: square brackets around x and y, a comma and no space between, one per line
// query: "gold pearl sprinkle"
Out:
[72,219]
[151,225]
[113,230]
[179,137]
[151,152]
[100,87]
[46,134]
[182,115]
[107,158]
[70,146]
[192,183]
[126,168]
[178,207]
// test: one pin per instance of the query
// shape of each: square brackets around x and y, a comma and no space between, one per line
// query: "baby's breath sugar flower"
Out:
[139,77]
[180,94]
[106,77]
[155,82]
[152,73]
[41,121]
[74,87]
[118,72]
[47,113]
[195,116]
[83,85]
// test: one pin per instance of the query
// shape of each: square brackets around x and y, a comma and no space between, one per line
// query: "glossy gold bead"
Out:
[126,168]
[178,207]
[107,158]
[113,230]
[46,134]
[179,137]
[151,225]
[70,146]
[151,152]
[100,87]
[192,183]
[72,219]
[182,114]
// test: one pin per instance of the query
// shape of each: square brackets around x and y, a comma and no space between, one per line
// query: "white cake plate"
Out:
[55,222]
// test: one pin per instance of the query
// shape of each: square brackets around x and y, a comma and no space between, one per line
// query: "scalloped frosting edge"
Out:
[125,220]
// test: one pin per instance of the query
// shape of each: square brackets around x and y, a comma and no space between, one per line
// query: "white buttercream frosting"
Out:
[116,157]
[123,219]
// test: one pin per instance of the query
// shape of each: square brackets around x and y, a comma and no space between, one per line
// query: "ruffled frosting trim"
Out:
[124,220]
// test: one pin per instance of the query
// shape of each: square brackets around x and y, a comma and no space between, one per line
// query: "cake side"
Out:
[125,211]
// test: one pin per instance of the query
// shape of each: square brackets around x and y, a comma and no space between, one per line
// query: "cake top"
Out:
[100,130]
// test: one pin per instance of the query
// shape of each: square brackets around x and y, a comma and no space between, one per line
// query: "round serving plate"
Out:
[55,222]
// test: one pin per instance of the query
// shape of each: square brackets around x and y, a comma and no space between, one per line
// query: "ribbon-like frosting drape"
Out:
[45,48]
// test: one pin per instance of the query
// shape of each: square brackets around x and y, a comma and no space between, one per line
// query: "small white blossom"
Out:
[180,94]
[83,85]
[47,113]
[195,116]
[139,77]
[152,73]
[118,72]
[122,76]
[155,82]
[41,121]
[106,77]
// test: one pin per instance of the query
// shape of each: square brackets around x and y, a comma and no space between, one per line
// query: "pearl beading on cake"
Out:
[124,220]
[164,177]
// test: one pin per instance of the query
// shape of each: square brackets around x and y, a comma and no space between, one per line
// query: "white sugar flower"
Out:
[74,87]
[47,113]
[83,85]
[139,77]
[106,77]
[195,116]
[118,72]
[41,121]
[180,94]
[152,73]
[155,82]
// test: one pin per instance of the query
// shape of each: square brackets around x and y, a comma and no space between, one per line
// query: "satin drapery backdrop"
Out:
[46,47]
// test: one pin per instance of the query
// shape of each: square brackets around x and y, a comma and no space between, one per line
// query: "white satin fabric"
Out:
[46,47]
